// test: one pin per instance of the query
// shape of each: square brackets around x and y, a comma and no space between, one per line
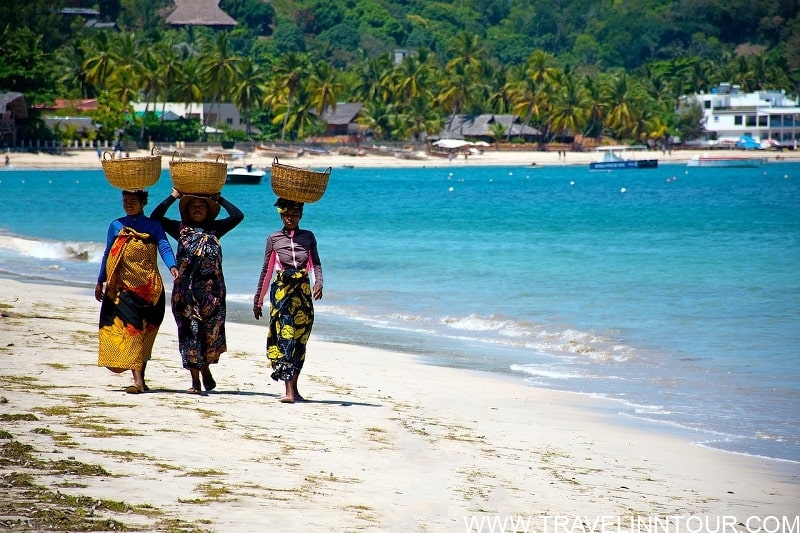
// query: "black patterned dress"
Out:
[198,296]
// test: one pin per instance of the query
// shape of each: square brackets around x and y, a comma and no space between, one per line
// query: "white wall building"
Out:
[762,115]
[219,116]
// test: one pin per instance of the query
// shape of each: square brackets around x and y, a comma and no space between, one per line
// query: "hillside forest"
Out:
[611,68]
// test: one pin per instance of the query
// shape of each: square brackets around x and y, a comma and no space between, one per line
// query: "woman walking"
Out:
[198,297]
[133,302]
[291,253]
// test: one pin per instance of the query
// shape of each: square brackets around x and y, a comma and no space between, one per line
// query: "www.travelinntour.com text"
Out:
[630,524]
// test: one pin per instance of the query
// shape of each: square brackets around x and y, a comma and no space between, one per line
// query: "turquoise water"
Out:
[674,291]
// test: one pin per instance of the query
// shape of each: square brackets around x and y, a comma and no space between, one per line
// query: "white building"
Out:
[762,115]
[219,116]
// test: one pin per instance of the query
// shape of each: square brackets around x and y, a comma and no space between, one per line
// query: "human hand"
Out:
[175,273]
[98,291]
[175,193]
[317,292]
[257,312]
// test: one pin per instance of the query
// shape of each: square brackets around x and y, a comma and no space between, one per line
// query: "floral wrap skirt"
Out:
[291,317]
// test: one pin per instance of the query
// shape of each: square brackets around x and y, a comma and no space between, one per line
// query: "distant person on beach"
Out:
[198,297]
[291,253]
[133,302]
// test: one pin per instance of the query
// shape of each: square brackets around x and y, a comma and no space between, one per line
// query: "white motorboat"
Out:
[622,157]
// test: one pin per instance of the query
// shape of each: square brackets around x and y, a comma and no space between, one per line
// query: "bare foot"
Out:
[208,380]
[287,399]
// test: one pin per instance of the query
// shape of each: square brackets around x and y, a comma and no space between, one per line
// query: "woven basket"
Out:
[198,177]
[298,184]
[133,173]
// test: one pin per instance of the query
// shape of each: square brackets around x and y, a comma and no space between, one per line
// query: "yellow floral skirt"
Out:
[291,317]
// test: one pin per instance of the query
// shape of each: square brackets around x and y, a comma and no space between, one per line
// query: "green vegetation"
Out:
[596,68]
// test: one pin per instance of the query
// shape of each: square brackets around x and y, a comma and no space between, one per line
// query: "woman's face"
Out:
[198,210]
[132,205]
[291,217]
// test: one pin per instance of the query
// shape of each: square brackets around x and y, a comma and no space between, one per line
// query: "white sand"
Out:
[490,157]
[384,444]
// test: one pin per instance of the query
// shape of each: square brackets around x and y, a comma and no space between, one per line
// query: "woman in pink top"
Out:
[291,254]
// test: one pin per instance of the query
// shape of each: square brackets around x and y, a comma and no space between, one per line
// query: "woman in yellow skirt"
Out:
[132,303]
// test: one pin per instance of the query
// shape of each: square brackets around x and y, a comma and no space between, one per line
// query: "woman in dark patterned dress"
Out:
[291,253]
[198,297]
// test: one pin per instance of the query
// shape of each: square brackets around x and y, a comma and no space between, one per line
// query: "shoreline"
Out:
[386,442]
[87,159]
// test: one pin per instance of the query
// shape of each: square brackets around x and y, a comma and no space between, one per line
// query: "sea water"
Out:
[674,293]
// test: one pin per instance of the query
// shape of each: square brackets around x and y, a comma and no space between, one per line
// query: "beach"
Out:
[384,443]
[377,159]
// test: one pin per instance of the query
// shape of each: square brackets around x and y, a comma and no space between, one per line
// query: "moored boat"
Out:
[723,161]
[621,158]
[244,175]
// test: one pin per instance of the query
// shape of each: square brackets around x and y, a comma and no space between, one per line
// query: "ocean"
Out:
[673,293]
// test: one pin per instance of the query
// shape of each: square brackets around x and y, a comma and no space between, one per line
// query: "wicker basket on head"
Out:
[198,177]
[298,184]
[133,173]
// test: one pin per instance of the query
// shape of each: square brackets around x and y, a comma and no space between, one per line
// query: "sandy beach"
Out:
[489,157]
[385,443]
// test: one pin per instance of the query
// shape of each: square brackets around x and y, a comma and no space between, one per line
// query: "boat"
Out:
[724,161]
[244,175]
[621,157]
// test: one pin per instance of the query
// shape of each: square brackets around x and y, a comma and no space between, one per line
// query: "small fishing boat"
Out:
[622,157]
[724,161]
[244,175]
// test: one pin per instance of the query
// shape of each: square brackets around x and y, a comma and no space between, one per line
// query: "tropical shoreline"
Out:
[386,443]
[77,159]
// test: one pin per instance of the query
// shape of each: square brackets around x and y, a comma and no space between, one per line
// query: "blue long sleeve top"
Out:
[142,224]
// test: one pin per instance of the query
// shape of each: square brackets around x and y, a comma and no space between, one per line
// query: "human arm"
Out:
[172,227]
[235,216]
[316,265]
[264,278]
[111,235]
[165,249]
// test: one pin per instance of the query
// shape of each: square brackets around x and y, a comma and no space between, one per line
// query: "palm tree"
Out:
[378,117]
[624,96]
[421,119]
[300,118]
[497,130]
[71,59]
[570,107]
[289,73]
[413,76]
[467,49]
[250,90]
[170,66]
[127,53]
[151,80]
[219,68]
[372,79]
[541,67]
[462,72]
[527,98]
[324,87]
[657,131]
[100,60]
[186,87]
[596,103]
